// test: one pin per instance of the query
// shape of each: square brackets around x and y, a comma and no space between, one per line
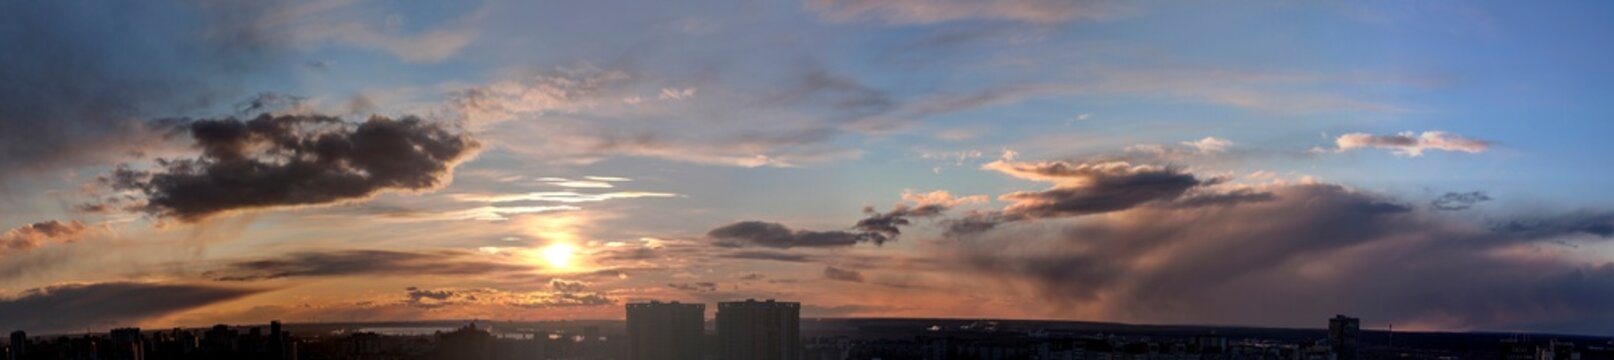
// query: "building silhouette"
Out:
[664,331]
[759,330]
[1343,332]
[19,345]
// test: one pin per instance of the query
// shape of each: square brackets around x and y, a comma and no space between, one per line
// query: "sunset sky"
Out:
[1438,165]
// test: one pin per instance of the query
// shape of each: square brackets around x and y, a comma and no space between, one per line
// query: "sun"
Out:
[559,255]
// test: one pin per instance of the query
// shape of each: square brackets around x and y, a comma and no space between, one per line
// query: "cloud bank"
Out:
[1301,253]
[102,304]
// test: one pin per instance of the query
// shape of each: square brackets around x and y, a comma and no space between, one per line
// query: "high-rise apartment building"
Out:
[1343,332]
[666,331]
[759,330]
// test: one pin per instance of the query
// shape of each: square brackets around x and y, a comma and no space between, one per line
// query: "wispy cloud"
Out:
[1411,144]
[568,197]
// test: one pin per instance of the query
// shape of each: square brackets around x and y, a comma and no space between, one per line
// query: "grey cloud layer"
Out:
[1311,250]
[72,306]
[297,160]
[78,78]
[775,235]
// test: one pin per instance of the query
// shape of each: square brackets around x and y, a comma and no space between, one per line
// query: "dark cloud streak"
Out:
[63,308]
[1455,201]
[361,262]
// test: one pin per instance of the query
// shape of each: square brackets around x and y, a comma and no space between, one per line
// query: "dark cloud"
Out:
[362,262]
[566,294]
[839,274]
[883,227]
[296,160]
[695,287]
[64,308]
[775,235]
[1082,189]
[878,228]
[1593,223]
[767,255]
[564,285]
[426,297]
[1226,198]
[33,235]
[1309,251]
[1095,188]
[1454,201]
[975,222]
[564,300]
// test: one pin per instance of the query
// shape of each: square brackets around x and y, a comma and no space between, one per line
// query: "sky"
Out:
[1435,165]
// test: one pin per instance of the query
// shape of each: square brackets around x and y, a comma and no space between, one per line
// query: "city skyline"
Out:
[1432,165]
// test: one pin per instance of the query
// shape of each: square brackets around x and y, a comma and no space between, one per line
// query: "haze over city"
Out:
[1431,165]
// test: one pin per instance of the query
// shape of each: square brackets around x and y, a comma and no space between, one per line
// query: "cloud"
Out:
[878,228]
[568,197]
[1592,223]
[593,114]
[362,262]
[472,297]
[1210,145]
[427,298]
[839,274]
[275,161]
[767,255]
[481,213]
[1311,250]
[561,300]
[33,235]
[775,235]
[883,227]
[562,91]
[695,287]
[1091,188]
[1411,144]
[71,307]
[1453,201]
[564,285]
[318,23]
[588,182]
[1097,187]
[934,11]
[940,198]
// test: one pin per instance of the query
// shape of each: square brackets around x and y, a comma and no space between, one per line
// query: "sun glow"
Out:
[559,255]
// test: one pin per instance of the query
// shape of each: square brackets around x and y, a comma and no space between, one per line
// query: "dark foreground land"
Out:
[829,338]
